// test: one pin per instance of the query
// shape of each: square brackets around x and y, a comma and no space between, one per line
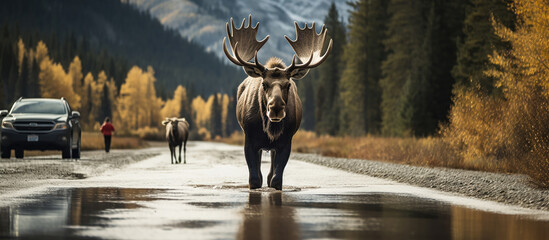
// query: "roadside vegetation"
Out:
[95,141]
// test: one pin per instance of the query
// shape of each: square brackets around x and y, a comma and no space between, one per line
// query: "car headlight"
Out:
[7,125]
[59,126]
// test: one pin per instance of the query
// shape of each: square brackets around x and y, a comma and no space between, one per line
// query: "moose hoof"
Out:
[276,183]
[255,183]
[269,179]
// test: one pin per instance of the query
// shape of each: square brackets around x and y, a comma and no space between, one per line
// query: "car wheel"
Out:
[76,151]
[19,153]
[67,151]
[6,153]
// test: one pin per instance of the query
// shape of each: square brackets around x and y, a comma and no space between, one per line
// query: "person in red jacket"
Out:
[107,128]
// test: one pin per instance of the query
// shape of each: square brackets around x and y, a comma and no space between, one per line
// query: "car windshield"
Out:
[39,107]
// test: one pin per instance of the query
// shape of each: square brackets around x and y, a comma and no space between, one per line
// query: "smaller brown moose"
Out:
[177,133]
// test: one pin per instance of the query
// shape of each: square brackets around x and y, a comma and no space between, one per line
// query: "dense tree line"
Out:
[395,70]
[130,98]
[21,54]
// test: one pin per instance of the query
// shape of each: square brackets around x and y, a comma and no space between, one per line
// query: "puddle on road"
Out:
[118,213]
[244,188]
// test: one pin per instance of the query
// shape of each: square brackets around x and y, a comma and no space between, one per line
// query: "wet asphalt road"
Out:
[207,198]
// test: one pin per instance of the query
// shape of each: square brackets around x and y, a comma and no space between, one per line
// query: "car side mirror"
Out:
[3,113]
[75,114]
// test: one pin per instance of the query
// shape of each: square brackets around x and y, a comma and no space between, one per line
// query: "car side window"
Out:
[68,107]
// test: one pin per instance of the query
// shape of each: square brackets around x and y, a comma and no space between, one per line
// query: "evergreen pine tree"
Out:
[351,87]
[106,104]
[13,76]
[185,110]
[376,20]
[479,41]
[327,107]
[232,123]
[306,90]
[24,78]
[401,69]
[215,125]
[33,87]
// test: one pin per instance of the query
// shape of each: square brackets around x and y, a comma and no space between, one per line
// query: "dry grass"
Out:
[429,151]
[95,141]
[236,138]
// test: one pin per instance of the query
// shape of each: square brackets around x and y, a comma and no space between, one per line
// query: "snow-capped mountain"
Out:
[203,21]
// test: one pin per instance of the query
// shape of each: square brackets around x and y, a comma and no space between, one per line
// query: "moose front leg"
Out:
[271,171]
[280,160]
[253,159]
[171,151]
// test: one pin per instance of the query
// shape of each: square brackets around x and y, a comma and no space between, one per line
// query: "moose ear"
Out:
[299,73]
[165,122]
[253,71]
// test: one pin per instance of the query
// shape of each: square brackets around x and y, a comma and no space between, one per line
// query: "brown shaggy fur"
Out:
[275,62]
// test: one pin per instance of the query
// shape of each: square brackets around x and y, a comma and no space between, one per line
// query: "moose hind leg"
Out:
[253,159]
[180,146]
[184,152]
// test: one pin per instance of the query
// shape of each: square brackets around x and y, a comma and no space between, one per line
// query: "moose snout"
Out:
[276,111]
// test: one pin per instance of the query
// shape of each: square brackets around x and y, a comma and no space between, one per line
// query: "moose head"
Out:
[275,75]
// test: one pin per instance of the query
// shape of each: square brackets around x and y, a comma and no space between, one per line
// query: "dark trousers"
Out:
[107,142]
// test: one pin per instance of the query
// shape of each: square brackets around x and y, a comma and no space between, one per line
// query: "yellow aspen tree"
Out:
[113,90]
[523,75]
[86,99]
[198,106]
[153,104]
[129,100]
[95,98]
[21,51]
[172,107]
[75,73]
[138,106]
[55,83]
[208,110]
[185,105]
[41,52]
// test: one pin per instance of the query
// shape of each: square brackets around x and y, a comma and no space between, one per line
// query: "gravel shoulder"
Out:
[18,174]
[514,189]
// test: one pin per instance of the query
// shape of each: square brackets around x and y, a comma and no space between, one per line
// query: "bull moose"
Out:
[268,108]
[177,132]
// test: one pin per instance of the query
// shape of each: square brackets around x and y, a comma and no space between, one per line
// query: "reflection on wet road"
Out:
[235,213]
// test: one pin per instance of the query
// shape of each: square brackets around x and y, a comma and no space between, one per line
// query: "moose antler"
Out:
[308,47]
[244,39]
